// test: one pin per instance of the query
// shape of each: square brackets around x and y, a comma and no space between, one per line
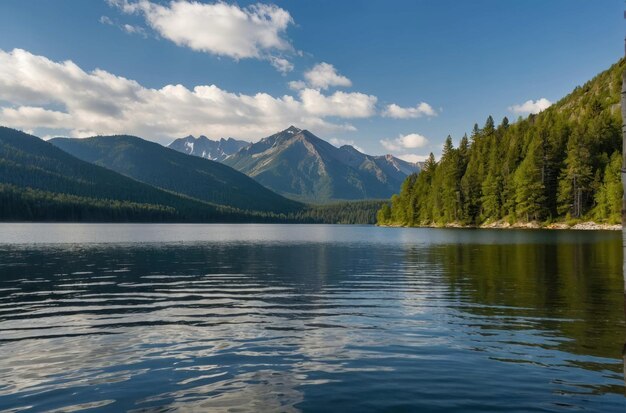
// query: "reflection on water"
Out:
[310,318]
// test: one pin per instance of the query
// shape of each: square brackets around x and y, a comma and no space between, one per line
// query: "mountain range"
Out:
[207,148]
[128,179]
[297,164]
[563,163]
[39,181]
[170,170]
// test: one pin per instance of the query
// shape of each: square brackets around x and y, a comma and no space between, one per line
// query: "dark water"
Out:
[309,318]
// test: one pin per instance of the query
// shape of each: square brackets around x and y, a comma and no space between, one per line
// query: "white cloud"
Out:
[531,106]
[412,157]
[284,66]
[28,115]
[256,31]
[324,75]
[341,104]
[106,20]
[45,94]
[128,28]
[410,141]
[296,85]
[398,112]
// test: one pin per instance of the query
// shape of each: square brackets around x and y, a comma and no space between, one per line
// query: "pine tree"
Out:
[505,123]
[563,162]
[608,198]
[383,216]
[576,177]
[449,175]
[529,190]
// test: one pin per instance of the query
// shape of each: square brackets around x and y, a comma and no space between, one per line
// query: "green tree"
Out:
[576,178]
[529,189]
[608,198]
[561,162]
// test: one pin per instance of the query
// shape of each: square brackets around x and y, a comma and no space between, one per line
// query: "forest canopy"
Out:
[562,164]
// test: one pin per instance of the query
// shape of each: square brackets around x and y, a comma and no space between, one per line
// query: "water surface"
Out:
[310,318]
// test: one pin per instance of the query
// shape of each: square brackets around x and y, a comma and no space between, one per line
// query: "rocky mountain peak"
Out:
[292,130]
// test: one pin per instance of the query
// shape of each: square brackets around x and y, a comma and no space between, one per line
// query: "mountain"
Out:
[299,165]
[388,164]
[39,181]
[168,169]
[561,165]
[207,148]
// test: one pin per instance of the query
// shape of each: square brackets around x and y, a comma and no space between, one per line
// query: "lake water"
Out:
[312,318]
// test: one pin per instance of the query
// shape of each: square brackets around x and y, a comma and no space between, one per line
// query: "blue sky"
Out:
[442,65]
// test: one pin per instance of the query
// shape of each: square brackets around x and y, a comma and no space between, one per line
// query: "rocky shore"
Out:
[589,226]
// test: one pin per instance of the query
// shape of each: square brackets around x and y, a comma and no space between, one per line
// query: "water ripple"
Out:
[319,326]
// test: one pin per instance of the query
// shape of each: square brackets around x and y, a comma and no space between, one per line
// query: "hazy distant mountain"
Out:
[207,148]
[168,169]
[299,165]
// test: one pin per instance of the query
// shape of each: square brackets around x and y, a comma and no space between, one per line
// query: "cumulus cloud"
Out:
[341,104]
[531,106]
[402,142]
[45,94]
[284,66]
[324,75]
[256,31]
[412,157]
[28,115]
[398,112]
[296,85]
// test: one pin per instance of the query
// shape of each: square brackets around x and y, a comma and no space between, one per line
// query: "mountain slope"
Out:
[171,170]
[41,182]
[299,165]
[207,148]
[562,164]
[388,165]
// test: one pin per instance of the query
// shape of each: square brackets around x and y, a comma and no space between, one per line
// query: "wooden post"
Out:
[623,102]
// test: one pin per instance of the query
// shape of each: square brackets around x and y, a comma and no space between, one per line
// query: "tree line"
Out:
[562,164]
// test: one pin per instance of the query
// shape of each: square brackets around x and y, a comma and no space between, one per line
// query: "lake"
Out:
[312,318]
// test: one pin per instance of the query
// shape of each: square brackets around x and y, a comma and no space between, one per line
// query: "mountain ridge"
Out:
[203,147]
[39,181]
[171,170]
[299,165]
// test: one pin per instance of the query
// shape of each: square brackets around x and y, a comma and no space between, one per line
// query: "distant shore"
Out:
[588,225]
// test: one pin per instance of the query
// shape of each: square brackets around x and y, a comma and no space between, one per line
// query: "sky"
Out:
[384,76]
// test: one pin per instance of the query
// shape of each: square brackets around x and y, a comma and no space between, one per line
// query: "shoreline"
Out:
[580,226]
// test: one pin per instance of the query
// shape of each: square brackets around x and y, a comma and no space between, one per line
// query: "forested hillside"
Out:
[171,170]
[39,182]
[562,164]
[349,212]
